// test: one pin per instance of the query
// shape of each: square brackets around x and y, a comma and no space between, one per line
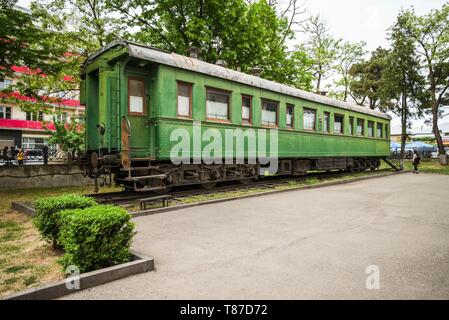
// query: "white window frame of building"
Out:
[4,112]
[34,116]
[217,104]
[62,117]
[31,143]
[5,83]
[270,113]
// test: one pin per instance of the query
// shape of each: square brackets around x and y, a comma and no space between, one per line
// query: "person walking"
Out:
[416,161]
[20,157]
[45,154]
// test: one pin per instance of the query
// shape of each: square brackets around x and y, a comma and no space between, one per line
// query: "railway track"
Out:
[268,183]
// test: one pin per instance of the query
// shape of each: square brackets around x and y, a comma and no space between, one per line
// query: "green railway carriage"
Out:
[137,96]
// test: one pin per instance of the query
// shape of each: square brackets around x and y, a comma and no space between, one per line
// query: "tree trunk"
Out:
[318,83]
[404,113]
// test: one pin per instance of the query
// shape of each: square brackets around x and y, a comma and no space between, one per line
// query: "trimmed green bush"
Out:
[95,237]
[46,219]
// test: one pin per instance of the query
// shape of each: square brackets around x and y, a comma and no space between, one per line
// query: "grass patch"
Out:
[25,259]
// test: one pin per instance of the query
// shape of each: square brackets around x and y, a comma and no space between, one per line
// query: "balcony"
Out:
[24,125]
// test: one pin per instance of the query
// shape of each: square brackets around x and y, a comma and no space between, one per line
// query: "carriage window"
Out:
[184,99]
[289,114]
[326,123]
[386,131]
[338,124]
[360,127]
[351,126]
[246,109]
[379,130]
[217,105]
[370,129]
[269,113]
[136,96]
[309,119]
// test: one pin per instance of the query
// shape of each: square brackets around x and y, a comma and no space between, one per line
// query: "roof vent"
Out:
[323,93]
[256,71]
[193,52]
[221,63]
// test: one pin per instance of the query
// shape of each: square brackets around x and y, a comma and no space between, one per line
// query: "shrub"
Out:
[95,237]
[46,218]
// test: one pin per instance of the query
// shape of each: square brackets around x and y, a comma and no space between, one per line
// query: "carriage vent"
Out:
[194,52]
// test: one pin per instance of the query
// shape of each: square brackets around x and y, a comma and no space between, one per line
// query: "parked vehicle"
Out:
[144,94]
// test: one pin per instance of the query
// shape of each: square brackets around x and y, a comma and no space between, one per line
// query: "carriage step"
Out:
[155,176]
[393,163]
[139,168]
[150,189]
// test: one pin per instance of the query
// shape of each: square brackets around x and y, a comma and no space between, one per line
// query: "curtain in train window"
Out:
[289,115]
[269,113]
[370,129]
[246,109]
[351,125]
[184,99]
[217,105]
[326,123]
[379,130]
[360,127]
[338,124]
[309,119]
[136,96]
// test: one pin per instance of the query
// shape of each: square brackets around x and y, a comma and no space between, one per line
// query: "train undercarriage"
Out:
[145,174]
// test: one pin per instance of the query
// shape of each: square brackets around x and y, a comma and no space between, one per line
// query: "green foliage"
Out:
[322,48]
[95,237]
[430,34]
[348,54]
[243,34]
[24,43]
[367,79]
[68,136]
[46,219]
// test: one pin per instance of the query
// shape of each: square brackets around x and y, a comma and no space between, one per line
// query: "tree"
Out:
[22,42]
[402,85]
[243,35]
[322,49]
[367,79]
[68,136]
[348,55]
[431,34]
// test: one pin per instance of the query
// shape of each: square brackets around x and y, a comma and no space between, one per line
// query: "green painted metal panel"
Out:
[150,134]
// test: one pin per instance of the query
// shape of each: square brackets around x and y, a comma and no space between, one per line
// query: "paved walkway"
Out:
[304,244]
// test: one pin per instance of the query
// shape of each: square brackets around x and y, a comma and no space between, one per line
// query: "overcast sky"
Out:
[356,20]
[368,20]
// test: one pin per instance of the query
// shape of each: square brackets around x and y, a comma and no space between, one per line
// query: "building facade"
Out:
[27,130]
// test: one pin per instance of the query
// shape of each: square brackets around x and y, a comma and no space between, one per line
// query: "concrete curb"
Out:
[140,264]
[136,214]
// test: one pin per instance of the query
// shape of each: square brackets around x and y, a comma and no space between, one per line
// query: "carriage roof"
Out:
[179,61]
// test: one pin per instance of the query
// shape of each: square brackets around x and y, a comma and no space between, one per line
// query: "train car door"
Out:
[138,116]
